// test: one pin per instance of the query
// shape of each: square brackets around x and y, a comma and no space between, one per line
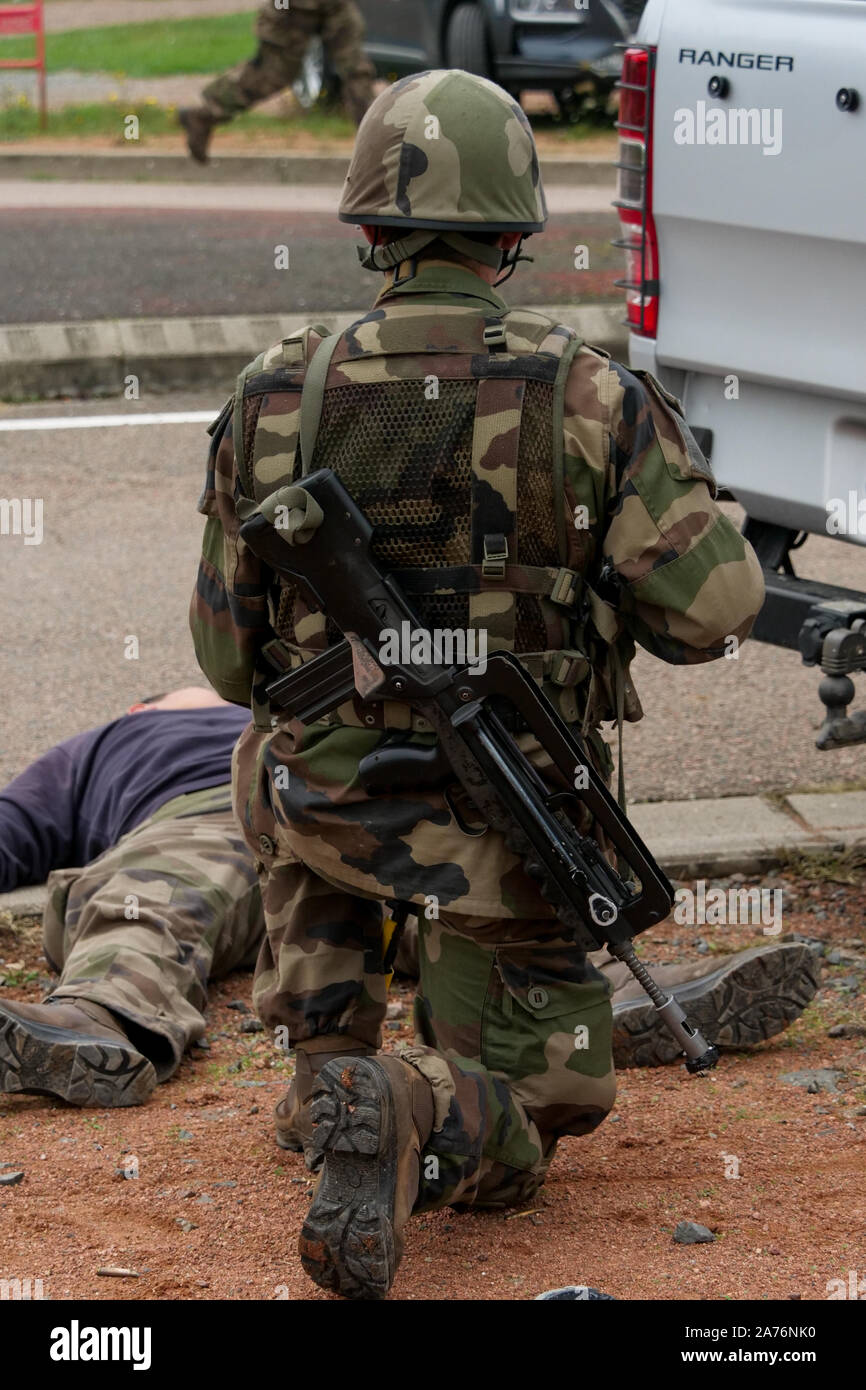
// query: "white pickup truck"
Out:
[742,201]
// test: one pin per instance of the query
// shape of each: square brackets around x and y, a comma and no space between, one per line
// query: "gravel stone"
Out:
[819,1079]
[692,1233]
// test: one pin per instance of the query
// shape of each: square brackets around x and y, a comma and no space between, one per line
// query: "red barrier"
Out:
[26,19]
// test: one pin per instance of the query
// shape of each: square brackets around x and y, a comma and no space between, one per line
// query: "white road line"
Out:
[96,422]
[215,197]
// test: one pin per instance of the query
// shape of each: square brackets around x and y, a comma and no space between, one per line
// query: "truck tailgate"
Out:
[754,246]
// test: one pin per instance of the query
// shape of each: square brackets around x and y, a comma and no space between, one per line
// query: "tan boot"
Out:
[371,1118]
[292,1114]
[72,1049]
[198,123]
[735,1001]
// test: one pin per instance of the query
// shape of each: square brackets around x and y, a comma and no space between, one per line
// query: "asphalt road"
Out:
[211,250]
[118,559]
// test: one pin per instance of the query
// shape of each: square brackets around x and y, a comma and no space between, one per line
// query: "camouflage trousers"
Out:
[142,928]
[283,38]
[512,1026]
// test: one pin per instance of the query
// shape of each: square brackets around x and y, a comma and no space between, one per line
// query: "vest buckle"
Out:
[412,262]
[565,587]
[494,334]
[495,556]
[567,668]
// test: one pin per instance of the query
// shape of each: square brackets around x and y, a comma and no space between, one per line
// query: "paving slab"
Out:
[826,811]
[25,902]
[690,839]
[51,360]
[725,835]
[293,167]
[300,197]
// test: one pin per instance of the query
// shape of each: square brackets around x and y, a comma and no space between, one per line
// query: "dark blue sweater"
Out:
[80,797]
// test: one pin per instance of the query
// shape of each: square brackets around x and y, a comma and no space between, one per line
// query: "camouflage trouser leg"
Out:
[271,70]
[283,41]
[143,928]
[320,969]
[343,35]
[513,1027]
[513,1030]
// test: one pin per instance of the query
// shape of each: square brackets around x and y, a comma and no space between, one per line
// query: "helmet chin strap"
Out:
[378,257]
[511,259]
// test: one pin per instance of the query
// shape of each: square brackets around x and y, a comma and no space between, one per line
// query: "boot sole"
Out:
[347,1241]
[37,1059]
[741,1004]
[293,1145]
[199,154]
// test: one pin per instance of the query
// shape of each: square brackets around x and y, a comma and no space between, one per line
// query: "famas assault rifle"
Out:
[316,534]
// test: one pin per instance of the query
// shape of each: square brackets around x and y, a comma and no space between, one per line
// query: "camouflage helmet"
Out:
[445,151]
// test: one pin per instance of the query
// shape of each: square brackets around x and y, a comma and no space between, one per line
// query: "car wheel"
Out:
[466,44]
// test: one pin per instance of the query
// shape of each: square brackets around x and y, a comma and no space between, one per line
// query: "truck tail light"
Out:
[635,190]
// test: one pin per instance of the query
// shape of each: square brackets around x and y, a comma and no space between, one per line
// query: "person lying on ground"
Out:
[153,891]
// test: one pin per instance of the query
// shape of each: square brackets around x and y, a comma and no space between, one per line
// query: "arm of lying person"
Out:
[37,821]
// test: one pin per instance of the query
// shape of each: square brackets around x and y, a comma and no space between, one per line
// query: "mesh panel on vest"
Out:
[530,634]
[408,463]
[536,517]
[251,412]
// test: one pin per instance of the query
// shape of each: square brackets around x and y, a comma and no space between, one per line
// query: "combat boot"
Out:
[738,1001]
[198,123]
[72,1049]
[292,1114]
[371,1118]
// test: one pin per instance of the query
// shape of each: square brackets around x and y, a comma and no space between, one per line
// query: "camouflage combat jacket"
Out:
[633,512]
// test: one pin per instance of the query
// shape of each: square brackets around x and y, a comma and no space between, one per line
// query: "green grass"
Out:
[207,45]
[16,978]
[20,121]
[157,49]
[832,866]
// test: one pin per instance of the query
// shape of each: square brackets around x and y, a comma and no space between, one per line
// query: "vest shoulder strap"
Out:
[266,455]
[570,350]
[312,399]
[528,331]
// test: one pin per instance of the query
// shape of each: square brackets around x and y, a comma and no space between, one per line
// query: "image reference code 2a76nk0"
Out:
[741,1333]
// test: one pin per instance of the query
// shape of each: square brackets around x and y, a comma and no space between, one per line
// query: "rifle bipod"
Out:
[701,1056]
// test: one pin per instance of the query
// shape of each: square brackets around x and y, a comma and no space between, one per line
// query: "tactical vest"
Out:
[446,424]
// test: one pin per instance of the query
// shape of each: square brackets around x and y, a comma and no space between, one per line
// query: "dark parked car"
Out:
[548,44]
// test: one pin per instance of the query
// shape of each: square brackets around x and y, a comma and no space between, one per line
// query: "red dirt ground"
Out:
[795,1218]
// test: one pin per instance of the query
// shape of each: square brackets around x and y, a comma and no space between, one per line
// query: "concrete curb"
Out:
[130,165]
[694,839]
[747,834]
[49,360]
